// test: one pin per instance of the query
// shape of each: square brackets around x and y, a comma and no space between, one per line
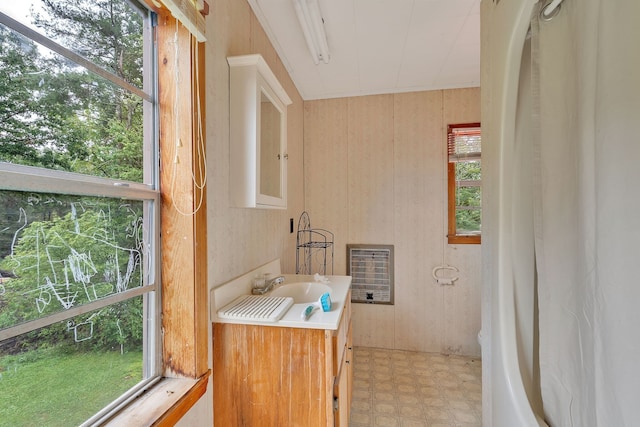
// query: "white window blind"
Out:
[464,143]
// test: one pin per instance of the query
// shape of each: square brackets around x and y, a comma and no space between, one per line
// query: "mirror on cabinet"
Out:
[258,134]
[270,142]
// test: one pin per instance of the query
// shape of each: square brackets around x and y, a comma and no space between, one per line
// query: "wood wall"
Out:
[375,172]
[242,239]
[371,170]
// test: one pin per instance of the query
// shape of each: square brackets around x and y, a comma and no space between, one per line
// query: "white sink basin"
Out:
[301,292]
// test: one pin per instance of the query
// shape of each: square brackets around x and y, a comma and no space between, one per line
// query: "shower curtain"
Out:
[586,171]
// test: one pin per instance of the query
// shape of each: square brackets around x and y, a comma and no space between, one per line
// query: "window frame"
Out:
[183,336]
[22,178]
[185,339]
[452,235]
[185,349]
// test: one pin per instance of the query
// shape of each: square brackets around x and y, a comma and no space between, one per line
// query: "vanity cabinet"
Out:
[257,134]
[282,376]
[343,369]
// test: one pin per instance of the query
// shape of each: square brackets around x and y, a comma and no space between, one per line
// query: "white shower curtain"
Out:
[586,121]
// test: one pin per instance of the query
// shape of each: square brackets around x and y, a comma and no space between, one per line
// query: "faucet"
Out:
[268,285]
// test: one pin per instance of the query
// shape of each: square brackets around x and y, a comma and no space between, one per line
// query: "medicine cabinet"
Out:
[258,134]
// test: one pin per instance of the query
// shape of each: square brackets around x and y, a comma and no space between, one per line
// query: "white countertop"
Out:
[319,319]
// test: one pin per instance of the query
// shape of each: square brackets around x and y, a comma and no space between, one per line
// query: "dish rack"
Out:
[256,308]
[314,248]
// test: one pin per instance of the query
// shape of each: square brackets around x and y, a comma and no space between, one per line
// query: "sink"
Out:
[301,292]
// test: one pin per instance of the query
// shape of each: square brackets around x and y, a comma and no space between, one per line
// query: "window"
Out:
[464,183]
[79,209]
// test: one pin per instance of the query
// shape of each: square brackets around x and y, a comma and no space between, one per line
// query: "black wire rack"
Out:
[314,248]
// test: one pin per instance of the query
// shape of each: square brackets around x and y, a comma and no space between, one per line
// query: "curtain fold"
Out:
[586,90]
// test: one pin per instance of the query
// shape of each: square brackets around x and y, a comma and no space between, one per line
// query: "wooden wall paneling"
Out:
[238,25]
[370,169]
[373,325]
[295,167]
[461,304]
[388,136]
[418,224]
[241,239]
[260,43]
[460,106]
[326,171]
[231,30]
[230,241]
[295,184]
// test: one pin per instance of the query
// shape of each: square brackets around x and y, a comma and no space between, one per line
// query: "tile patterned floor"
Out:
[411,389]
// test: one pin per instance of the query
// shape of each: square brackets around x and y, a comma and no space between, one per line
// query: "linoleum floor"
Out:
[393,388]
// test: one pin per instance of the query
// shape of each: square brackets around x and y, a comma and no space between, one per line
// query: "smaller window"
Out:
[464,183]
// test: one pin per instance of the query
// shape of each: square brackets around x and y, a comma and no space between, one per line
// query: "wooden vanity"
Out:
[279,375]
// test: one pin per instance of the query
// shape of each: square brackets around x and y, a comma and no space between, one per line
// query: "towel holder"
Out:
[442,280]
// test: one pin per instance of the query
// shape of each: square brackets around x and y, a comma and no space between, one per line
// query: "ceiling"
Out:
[379,46]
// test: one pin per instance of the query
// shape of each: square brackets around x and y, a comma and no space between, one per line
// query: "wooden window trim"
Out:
[184,237]
[164,404]
[452,237]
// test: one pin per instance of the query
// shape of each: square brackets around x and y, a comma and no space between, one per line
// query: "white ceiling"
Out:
[379,46]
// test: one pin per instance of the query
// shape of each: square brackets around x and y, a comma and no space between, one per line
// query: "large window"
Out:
[79,209]
[464,183]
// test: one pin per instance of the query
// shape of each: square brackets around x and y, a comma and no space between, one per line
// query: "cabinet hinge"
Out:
[336,404]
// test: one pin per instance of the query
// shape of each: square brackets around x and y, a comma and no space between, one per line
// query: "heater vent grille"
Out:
[371,271]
